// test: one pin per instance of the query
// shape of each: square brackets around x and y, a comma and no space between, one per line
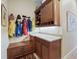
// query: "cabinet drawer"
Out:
[13,52]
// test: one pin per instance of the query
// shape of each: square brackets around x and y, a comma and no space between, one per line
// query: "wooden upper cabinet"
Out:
[47,13]
[50,13]
[42,15]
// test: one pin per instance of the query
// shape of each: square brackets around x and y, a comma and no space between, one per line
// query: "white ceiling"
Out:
[38,3]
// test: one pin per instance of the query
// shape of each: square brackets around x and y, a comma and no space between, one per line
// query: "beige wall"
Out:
[4,35]
[22,7]
[53,30]
[69,41]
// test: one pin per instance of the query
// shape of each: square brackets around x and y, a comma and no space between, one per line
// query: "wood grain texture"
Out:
[19,50]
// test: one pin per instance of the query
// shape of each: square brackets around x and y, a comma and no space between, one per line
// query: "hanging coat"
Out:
[11,29]
[25,32]
[33,24]
[29,22]
[18,28]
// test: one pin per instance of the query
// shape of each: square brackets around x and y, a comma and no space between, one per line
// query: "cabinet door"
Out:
[45,52]
[38,48]
[32,41]
[42,15]
[49,11]
[45,17]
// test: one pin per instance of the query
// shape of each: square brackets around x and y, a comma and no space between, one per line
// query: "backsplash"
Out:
[56,30]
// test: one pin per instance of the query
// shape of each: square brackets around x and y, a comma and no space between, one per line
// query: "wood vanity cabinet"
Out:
[47,50]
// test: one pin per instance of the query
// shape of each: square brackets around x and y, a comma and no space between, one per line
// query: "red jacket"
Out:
[25,32]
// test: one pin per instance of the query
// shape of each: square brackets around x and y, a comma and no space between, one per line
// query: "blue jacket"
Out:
[29,25]
[18,28]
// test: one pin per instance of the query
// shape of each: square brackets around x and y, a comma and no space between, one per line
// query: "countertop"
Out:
[18,39]
[46,37]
